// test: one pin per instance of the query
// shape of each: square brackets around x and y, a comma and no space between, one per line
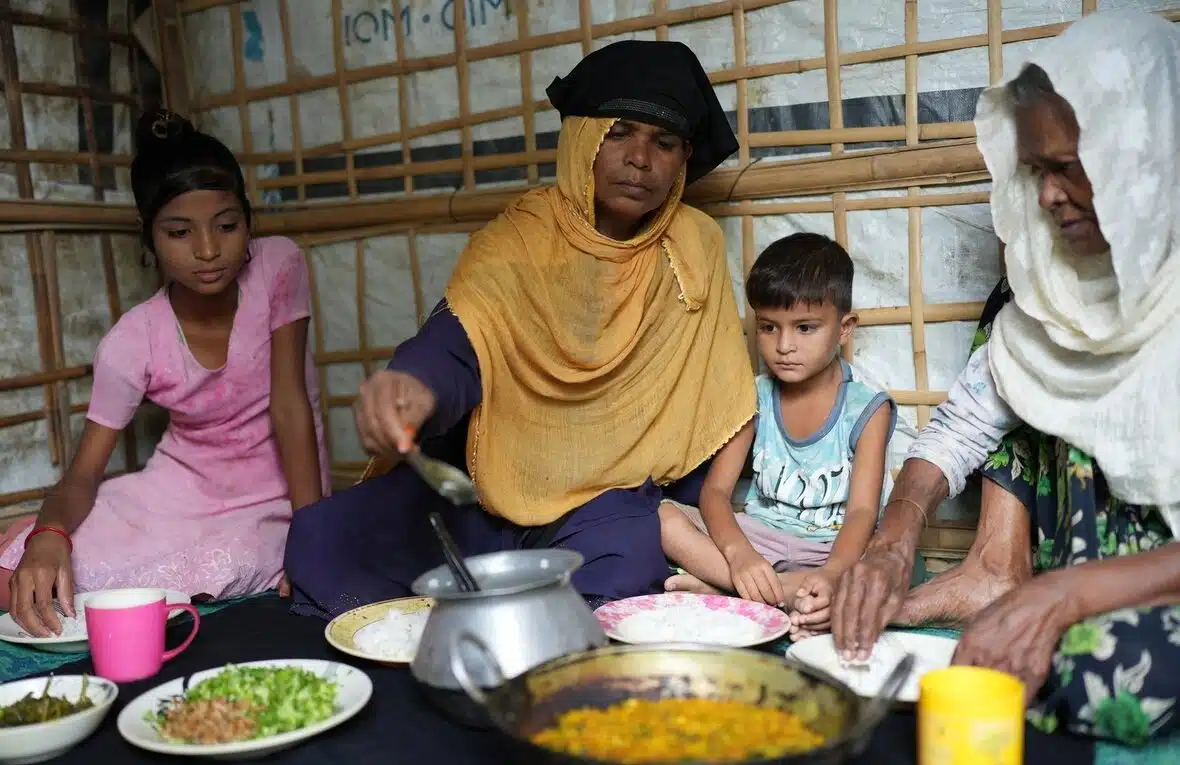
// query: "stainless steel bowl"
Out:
[529,703]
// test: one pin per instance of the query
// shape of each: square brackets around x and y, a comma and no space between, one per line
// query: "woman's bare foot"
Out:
[956,595]
[1000,559]
[689,583]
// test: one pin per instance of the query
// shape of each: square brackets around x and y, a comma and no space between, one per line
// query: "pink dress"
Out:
[209,512]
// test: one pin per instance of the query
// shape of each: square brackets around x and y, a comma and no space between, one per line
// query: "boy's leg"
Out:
[685,541]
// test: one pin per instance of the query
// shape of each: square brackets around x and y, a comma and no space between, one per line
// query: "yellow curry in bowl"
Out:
[639,731]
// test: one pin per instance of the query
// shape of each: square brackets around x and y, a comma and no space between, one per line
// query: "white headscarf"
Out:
[1089,348]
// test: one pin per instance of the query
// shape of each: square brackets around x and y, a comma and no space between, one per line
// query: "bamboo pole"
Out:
[171,45]
[995,41]
[914,220]
[749,249]
[403,101]
[466,147]
[240,97]
[527,102]
[404,126]
[70,25]
[293,100]
[361,314]
[922,166]
[343,94]
[836,125]
[415,277]
[60,413]
[940,165]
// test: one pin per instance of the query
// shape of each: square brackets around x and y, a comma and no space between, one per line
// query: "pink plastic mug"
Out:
[126,632]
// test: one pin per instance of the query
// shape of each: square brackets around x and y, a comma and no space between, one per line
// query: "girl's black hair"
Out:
[172,158]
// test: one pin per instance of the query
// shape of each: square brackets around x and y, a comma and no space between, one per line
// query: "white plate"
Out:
[930,652]
[26,744]
[10,631]
[353,689]
[685,617]
[342,632]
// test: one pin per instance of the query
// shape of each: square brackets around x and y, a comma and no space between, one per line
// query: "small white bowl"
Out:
[26,744]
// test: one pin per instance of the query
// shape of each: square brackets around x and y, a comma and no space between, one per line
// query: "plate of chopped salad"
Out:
[250,709]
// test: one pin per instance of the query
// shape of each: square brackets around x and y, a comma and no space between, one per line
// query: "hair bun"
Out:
[159,127]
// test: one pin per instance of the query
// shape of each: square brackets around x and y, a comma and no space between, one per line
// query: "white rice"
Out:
[689,624]
[395,637]
[71,627]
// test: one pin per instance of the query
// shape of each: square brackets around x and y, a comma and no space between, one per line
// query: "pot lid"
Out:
[501,573]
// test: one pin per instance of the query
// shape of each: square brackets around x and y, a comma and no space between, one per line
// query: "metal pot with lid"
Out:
[526,613]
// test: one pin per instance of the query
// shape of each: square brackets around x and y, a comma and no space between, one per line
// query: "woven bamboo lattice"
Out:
[74,77]
[370,140]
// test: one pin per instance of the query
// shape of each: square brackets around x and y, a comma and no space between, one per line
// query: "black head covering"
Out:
[658,83]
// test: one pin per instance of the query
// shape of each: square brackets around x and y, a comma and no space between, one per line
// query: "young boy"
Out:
[819,442]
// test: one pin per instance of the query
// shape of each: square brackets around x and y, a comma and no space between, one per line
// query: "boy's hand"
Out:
[755,579]
[811,613]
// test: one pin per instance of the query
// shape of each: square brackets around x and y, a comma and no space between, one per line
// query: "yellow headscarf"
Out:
[603,363]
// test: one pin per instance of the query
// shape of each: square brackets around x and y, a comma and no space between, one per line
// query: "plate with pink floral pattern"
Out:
[685,617]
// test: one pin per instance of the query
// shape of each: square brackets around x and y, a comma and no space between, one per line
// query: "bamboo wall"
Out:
[74,77]
[381,133]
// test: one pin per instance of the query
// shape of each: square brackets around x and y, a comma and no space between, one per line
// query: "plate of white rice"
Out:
[387,632]
[684,617]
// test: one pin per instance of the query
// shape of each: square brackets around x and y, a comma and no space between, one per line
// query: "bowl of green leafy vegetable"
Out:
[243,710]
[44,717]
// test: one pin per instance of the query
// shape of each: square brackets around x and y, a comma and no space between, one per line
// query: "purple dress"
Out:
[369,542]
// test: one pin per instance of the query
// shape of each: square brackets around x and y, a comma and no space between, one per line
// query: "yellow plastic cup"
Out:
[970,716]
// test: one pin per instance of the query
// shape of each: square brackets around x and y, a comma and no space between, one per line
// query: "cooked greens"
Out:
[38,709]
[243,703]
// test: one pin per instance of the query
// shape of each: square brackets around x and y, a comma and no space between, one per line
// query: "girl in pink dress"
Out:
[223,347]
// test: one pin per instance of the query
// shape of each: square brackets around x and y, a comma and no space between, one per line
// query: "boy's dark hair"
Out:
[801,268]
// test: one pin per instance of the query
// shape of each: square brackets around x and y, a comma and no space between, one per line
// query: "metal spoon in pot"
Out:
[454,558]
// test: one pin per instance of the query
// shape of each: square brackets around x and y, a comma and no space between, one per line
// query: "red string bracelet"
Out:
[41,529]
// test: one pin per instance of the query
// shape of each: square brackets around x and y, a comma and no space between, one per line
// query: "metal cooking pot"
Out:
[525,613]
[527,704]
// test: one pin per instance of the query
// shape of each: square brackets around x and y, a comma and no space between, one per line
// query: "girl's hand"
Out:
[45,566]
[389,410]
[1019,632]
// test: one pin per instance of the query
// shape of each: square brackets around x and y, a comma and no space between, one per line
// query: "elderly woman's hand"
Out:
[1019,632]
[390,408]
[868,596]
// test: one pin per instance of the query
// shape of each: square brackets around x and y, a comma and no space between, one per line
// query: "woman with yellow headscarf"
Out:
[586,363]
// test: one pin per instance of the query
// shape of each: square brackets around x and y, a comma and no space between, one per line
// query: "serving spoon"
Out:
[447,480]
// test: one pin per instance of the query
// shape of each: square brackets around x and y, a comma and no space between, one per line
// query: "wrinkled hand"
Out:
[284,586]
[1019,632]
[812,610]
[869,596]
[389,410]
[755,579]
[45,566]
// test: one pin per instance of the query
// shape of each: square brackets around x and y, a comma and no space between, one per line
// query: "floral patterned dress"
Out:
[1115,675]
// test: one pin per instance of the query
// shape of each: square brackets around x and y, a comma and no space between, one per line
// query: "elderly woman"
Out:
[586,362]
[1068,403]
